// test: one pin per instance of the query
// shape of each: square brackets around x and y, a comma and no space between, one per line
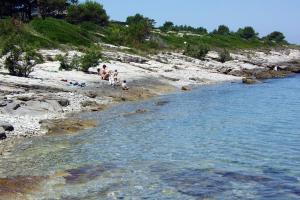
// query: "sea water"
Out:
[228,141]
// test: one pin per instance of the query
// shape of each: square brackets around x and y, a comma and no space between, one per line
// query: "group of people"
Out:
[112,77]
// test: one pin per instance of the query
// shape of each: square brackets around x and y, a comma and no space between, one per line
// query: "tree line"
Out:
[247,32]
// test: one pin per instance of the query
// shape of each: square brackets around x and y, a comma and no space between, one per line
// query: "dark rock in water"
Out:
[293,68]
[140,111]
[271,74]
[185,88]
[6,126]
[241,177]
[64,102]
[249,81]
[197,183]
[19,187]
[66,126]
[93,105]
[161,103]
[87,173]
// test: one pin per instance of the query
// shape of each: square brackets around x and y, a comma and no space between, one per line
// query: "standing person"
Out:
[104,73]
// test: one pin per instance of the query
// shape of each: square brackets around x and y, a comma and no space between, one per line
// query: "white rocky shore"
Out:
[47,94]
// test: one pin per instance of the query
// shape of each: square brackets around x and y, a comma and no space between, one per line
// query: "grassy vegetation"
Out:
[52,33]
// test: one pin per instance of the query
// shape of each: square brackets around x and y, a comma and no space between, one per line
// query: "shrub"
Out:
[139,29]
[20,61]
[115,34]
[224,56]
[276,36]
[90,59]
[222,30]
[247,33]
[64,62]
[197,51]
[89,11]
[168,26]
[68,64]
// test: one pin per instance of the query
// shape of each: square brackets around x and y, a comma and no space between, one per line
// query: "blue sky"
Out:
[264,15]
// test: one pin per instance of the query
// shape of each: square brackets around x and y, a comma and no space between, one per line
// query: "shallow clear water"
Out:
[228,141]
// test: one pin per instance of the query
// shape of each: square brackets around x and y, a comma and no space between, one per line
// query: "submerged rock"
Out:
[161,103]
[18,187]
[87,173]
[249,81]
[197,183]
[93,105]
[185,88]
[66,126]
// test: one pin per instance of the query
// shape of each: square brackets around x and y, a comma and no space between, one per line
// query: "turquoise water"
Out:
[228,141]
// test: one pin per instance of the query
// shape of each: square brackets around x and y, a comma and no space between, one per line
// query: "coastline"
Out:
[44,97]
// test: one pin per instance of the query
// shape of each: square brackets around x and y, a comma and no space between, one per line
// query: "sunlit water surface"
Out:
[228,141]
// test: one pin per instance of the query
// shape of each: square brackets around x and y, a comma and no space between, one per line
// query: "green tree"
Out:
[168,26]
[224,56]
[90,59]
[247,33]
[196,51]
[89,11]
[276,36]
[138,18]
[139,28]
[222,30]
[21,60]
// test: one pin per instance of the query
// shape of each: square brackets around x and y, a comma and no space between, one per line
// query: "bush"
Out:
[20,61]
[68,64]
[89,11]
[115,34]
[197,51]
[90,59]
[222,30]
[224,56]
[276,36]
[168,26]
[139,29]
[247,33]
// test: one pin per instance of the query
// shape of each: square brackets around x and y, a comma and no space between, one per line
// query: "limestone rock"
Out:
[91,94]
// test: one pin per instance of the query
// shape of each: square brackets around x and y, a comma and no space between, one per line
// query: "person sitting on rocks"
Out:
[104,73]
[124,85]
[115,77]
[111,79]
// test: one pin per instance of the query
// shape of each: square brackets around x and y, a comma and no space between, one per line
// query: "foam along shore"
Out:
[26,103]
